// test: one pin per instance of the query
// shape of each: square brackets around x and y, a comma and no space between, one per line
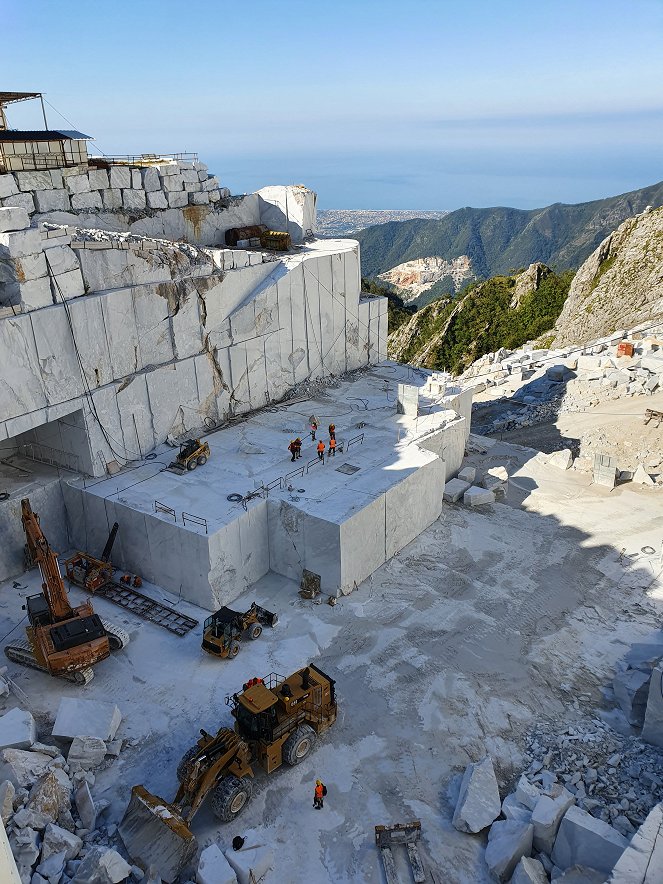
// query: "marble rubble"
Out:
[478,803]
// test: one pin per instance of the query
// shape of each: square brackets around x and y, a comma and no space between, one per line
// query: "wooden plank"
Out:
[418,872]
[389,866]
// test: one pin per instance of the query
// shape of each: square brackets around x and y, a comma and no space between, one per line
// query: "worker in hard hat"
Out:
[318,794]
[332,447]
[292,448]
[298,448]
[314,430]
[332,431]
[321,450]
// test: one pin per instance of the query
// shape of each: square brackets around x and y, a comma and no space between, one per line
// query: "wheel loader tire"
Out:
[185,763]
[202,460]
[193,463]
[230,797]
[299,744]
[233,651]
[255,631]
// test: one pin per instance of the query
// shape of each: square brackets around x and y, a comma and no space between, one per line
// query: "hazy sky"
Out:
[410,105]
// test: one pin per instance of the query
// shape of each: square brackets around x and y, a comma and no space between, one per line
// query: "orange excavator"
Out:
[62,640]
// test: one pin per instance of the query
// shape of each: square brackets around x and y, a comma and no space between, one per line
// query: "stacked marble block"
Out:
[37,267]
[169,184]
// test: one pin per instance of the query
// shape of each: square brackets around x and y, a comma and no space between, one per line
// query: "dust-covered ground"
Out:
[490,622]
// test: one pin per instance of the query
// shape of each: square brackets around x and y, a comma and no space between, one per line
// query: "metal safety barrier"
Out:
[359,439]
[195,520]
[162,508]
[53,456]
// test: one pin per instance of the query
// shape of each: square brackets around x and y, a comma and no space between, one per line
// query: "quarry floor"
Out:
[491,621]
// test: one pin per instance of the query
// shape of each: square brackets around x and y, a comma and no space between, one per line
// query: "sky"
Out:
[374,105]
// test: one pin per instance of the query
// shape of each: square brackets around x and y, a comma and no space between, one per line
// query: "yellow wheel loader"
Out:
[277,720]
[222,630]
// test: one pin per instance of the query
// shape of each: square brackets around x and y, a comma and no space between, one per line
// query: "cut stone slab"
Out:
[85,806]
[584,840]
[7,794]
[455,489]
[527,793]
[250,864]
[59,840]
[512,809]
[468,474]
[478,802]
[22,767]
[476,496]
[86,718]
[652,731]
[17,729]
[508,842]
[102,866]
[85,753]
[529,871]
[214,868]
[631,691]
[642,861]
[562,459]
[642,477]
[546,817]
[13,218]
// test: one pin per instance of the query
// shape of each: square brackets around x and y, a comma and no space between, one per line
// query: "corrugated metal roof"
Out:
[42,135]
[10,97]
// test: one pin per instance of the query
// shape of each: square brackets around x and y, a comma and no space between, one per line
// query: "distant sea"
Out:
[345,222]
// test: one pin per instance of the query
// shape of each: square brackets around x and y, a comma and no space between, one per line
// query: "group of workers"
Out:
[295,447]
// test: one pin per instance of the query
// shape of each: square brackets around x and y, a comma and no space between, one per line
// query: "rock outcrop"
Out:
[619,285]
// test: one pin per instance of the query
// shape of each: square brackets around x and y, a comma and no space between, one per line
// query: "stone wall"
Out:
[173,199]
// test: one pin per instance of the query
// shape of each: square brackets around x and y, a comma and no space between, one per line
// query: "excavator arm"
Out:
[41,552]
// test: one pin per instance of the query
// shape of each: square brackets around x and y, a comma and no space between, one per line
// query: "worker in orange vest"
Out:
[321,450]
[332,447]
[332,431]
[319,794]
[292,448]
[298,447]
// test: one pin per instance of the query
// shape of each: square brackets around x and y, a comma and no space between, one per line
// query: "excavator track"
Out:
[146,608]
[21,652]
[117,637]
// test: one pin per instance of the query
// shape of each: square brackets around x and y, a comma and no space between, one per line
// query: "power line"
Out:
[70,123]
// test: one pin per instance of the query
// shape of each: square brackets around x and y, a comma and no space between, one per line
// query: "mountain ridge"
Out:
[500,239]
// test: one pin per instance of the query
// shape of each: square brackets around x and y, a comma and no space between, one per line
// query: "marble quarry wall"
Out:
[155,337]
[173,199]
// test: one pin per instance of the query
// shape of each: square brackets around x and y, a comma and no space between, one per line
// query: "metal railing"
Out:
[162,508]
[149,158]
[53,456]
[195,520]
[359,439]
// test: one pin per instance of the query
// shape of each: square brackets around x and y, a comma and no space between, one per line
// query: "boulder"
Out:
[644,855]
[59,840]
[468,474]
[7,793]
[31,819]
[25,847]
[631,690]
[455,489]
[642,477]
[584,840]
[17,730]
[85,753]
[529,871]
[547,815]
[250,864]
[214,868]
[85,806]
[556,372]
[53,867]
[527,793]
[508,842]
[496,479]
[512,809]
[652,731]
[478,802]
[102,866]
[562,459]
[476,496]
[86,718]
[22,767]
[52,796]
[13,218]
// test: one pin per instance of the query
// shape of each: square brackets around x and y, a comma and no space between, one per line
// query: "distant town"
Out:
[343,222]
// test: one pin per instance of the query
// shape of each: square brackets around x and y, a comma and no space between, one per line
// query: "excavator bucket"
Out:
[155,834]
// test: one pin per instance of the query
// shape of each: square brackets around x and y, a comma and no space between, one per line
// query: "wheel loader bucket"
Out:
[155,834]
